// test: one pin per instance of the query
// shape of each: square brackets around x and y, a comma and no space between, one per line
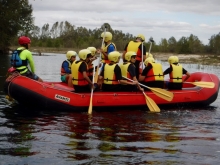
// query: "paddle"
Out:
[151,104]
[95,76]
[142,55]
[151,41]
[100,56]
[166,95]
[90,103]
[202,84]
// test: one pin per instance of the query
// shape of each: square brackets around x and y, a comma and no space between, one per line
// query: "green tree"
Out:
[195,45]
[214,44]
[57,43]
[163,45]
[54,30]
[172,45]
[183,46]
[68,34]
[15,16]
[49,43]
[45,32]
[35,32]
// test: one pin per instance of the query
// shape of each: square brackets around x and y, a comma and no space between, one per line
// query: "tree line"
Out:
[16,20]
[66,35]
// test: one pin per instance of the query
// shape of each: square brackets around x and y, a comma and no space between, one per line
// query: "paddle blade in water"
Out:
[151,104]
[90,107]
[90,103]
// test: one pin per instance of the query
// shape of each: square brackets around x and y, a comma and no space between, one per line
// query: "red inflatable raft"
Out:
[57,95]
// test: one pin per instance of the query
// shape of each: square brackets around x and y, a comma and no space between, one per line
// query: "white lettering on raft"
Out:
[62,98]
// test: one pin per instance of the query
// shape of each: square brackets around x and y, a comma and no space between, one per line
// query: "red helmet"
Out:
[24,40]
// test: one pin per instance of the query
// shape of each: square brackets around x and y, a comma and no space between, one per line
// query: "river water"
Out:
[126,136]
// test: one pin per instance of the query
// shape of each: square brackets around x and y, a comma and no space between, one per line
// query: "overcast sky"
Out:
[153,18]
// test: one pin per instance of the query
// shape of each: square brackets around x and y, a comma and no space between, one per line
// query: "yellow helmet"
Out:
[83,54]
[149,60]
[149,55]
[93,50]
[108,36]
[70,53]
[114,56]
[173,59]
[129,54]
[141,36]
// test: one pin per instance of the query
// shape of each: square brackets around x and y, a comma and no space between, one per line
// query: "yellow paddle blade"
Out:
[90,103]
[90,106]
[164,94]
[9,98]
[96,75]
[151,104]
[203,84]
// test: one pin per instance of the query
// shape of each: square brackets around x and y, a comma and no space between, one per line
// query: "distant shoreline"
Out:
[207,59]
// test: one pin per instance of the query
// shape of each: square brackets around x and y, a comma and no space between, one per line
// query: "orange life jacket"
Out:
[155,74]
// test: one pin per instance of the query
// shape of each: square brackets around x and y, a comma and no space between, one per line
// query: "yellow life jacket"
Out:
[105,49]
[77,77]
[109,74]
[124,69]
[176,74]
[24,67]
[155,74]
[134,46]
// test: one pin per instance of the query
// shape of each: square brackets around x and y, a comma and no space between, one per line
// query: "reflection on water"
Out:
[174,136]
[187,136]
